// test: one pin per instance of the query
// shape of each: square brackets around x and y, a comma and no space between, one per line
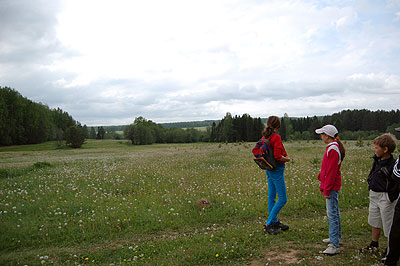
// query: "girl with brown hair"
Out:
[275,178]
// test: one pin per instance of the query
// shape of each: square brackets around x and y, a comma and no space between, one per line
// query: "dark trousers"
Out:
[394,238]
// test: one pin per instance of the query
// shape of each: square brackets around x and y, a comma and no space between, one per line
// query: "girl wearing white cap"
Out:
[331,182]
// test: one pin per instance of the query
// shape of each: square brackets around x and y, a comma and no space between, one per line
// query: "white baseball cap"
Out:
[328,130]
[397,129]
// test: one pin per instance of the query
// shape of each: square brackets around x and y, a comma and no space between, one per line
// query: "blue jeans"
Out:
[276,185]
[332,210]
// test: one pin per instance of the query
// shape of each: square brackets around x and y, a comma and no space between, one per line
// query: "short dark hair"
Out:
[386,140]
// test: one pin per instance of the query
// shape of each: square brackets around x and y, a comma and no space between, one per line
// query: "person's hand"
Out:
[327,197]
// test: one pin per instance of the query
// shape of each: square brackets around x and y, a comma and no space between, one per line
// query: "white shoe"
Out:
[331,250]
[327,240]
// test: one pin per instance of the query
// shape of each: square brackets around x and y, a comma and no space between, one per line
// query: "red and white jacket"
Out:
[330,175]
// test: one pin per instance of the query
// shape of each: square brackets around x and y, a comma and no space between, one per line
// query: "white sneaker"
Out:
[327,240]
[331,250]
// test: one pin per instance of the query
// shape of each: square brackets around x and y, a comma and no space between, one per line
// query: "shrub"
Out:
[39,165]
[74,137]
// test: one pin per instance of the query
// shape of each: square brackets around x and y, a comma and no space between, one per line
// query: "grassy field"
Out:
[111,203]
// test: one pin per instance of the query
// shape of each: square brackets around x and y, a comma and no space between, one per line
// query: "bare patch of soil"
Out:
[277,257]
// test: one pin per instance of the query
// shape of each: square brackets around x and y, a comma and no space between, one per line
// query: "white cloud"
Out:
[397,16]
[182,41]
[375,83]
[107,62]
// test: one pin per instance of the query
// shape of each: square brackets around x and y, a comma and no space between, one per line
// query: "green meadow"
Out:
[111,203]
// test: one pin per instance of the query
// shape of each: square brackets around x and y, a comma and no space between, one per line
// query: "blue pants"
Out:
[332,210]
[276,185]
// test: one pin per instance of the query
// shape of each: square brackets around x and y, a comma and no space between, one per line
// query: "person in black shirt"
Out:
[393,251]
[382,193]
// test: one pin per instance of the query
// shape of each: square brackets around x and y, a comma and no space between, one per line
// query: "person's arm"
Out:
[278,148]
[396,171]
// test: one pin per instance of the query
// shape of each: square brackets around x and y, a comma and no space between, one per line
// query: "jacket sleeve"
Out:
[331,170]
[277,147]
[396,171]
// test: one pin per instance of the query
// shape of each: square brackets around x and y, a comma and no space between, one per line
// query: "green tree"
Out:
[288,128]
[213,132]
[282,130]
[227,133]
[23,121]
[85,132]
[129,133]
[92,134]
[315,123]
[192,135]
[100,133]
[74,137]
[5,138]
[391,129]
[143,135]
[141,132]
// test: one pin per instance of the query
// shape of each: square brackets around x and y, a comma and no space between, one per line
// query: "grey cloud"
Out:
[275,91]
[28,43]
[27,33]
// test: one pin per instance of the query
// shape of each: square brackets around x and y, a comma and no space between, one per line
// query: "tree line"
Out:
[23,121]
[237,128]
[144,131]
[229,129]
[190,124]
[352,124]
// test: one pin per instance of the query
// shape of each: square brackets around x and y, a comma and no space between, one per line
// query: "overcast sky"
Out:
[107,62]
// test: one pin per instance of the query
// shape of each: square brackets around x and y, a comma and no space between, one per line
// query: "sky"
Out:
[106,62]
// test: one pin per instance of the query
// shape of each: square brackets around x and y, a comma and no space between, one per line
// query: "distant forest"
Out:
[25,122]
[352,124]
[191,124]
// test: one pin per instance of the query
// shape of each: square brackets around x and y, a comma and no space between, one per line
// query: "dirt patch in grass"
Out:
[277,257]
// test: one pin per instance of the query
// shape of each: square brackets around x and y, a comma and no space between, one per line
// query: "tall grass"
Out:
[112,203]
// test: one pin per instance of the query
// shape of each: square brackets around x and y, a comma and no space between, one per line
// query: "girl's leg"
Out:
[332,210]
[277,177]
[340,224]
[271,195]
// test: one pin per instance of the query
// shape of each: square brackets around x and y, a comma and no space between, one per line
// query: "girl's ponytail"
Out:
[267,132]
[341,146]
[273,122]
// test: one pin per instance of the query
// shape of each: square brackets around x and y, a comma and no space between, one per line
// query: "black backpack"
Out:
[264,155]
